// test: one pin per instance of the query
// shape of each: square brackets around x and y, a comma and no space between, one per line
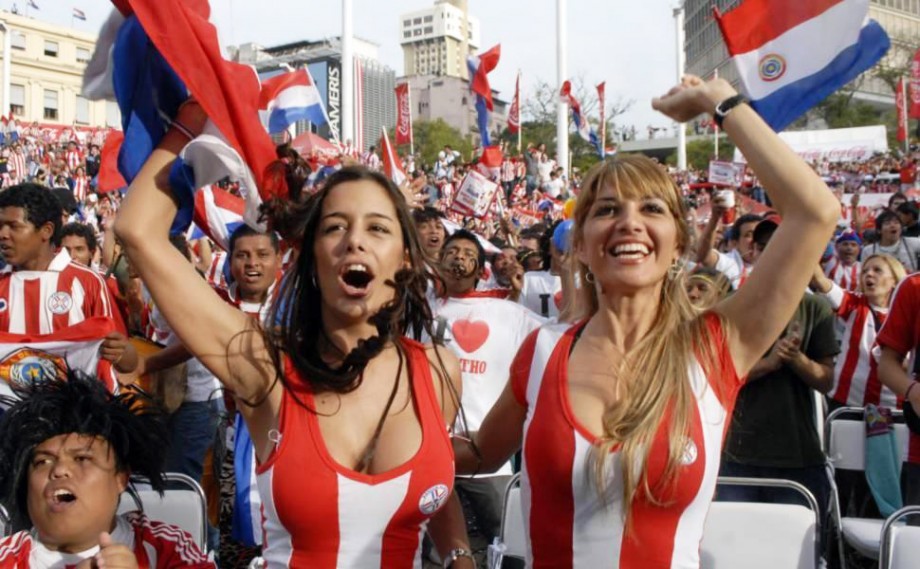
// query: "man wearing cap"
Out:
[843,268]
[900,337]
[773,432]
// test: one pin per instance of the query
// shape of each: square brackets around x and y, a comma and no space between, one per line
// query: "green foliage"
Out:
[701,151]
[432,136]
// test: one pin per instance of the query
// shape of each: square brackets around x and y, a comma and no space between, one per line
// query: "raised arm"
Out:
[809,212]
[705,253]
[222,337]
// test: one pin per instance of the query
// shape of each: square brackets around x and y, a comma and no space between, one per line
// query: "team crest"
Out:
[28,365]
[772,66]
[433,498]
[690,453]
[3,305]
[60,302]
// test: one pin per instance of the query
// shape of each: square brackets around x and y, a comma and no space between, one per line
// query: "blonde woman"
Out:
[621,417]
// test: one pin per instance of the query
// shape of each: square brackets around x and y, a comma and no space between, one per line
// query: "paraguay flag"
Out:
[581,125]
[288,98]
[479,67]
[792,54]
[218,213]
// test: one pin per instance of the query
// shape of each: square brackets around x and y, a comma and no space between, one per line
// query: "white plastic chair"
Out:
[900,543]
[6,524]
[513,534]
[183,504]
[755,535]
[845,439]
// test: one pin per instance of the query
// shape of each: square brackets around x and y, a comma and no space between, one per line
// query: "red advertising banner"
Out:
[403,115]
[915,87]
[900,99]
[514,114]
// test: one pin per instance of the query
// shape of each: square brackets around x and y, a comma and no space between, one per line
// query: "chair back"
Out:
[513,532]
[761,536]
[900,547]
[183,504]
[845,437]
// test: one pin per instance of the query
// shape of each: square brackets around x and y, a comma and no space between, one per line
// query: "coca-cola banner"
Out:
[403,115]
[915,86]
[855,144]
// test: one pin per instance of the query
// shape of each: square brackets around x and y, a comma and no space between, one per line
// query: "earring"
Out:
[675,270]
[313,279]
[589,277]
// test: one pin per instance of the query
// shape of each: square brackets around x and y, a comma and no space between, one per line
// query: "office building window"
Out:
[18,99]
[51,48]
[83,55]
[82,110]
[429,19]
[17,40]
[51,105]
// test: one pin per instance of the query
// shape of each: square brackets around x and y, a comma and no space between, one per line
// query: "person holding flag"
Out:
[621,416]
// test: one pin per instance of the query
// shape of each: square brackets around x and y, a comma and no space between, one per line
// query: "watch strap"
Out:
[726,106]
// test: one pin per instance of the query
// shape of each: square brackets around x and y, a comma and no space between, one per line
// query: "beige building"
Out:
[46,64]
[433,39]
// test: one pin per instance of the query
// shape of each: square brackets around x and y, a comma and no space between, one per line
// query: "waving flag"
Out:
[792,54]
[109,177]
[581,125]
[602,103]
[288,98]
[160,53]
[391,165]
[33,5]
[514,114]
[479,67]
[218,213]
[914,87]
[79,14]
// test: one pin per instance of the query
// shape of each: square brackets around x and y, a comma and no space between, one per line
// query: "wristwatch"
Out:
[456,554]
[726,106]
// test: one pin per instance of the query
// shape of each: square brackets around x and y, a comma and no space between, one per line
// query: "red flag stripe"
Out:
[756,22]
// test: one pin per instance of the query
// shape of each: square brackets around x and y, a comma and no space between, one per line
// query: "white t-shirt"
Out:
[541,289]
[485,334]
[905,250]
[733,267]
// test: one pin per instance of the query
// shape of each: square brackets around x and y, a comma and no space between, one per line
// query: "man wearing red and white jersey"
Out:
[485,333]
[899,337]
[42,291]
[81,244]
[843,268]
[72,157]
[17,165]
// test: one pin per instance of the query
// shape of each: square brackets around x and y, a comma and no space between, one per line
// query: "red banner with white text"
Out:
[403,115]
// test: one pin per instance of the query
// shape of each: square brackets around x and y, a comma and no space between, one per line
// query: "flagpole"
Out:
[517,95]
[562,107]
[715,125]
[348,72]
[906,119]
[681,62]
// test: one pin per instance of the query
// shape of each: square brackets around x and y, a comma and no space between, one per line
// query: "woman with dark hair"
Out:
[67,449]
[891,241]
[349,418]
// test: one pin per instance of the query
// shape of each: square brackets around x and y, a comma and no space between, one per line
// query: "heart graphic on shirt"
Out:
[470,334]
[557,300]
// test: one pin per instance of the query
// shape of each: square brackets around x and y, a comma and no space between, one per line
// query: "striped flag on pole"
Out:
[79,14]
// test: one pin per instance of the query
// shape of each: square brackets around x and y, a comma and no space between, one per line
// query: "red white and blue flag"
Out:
[79,14]
[218,213]
[288,98]
[391,164]
[479,67]
[792,54]
[581,124]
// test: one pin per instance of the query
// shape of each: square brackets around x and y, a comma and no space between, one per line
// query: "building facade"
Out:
[375,101]
[449,99]
[46,74]
[706,52]
[433,39]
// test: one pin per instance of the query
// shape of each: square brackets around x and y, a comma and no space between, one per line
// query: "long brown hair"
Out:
[653,374]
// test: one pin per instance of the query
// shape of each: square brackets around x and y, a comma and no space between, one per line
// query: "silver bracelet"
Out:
[456,554]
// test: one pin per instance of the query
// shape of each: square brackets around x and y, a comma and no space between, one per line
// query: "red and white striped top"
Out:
[215,275]
[901,333]
[845,276]
[156,546]
[321,515]
[856,371]
[74,159]
[568,525]
[80,188]
[43,302]
[17,167]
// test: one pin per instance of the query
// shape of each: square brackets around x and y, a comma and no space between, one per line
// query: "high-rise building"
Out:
[46,74]
[706,50]
[434,42]
[375,102]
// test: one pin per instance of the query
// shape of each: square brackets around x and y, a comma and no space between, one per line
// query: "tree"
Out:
[432,136]
[702,150]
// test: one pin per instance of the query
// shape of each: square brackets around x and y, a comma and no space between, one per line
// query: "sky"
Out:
[628,44]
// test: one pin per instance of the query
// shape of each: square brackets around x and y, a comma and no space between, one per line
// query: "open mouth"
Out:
[629,251]
[356,278]
[61,499]
[252,275]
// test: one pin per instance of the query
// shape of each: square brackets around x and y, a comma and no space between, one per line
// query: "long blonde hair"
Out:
[654,374]
[894,265]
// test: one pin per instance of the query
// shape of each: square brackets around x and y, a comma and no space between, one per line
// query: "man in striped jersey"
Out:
[41,289]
